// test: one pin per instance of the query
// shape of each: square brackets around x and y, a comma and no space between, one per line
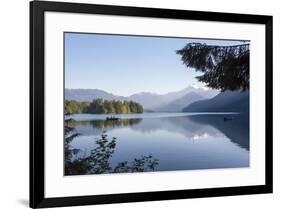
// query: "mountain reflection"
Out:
[237,130]
[156,144]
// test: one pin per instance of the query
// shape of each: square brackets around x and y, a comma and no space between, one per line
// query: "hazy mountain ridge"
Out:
[228,101]
[156,101]
[90,94]
[150,101]
[147,99]
[178,104]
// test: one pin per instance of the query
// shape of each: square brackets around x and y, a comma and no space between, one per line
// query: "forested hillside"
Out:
[101,106]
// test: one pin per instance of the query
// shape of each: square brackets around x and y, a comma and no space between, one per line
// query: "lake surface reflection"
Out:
[156,142]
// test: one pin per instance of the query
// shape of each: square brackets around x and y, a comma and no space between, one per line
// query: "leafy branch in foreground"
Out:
[99,159]
[223,67]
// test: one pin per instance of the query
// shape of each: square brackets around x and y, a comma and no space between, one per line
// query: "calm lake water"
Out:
[157,142]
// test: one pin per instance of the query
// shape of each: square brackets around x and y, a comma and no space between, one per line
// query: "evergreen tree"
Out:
[100,106]
[223,67]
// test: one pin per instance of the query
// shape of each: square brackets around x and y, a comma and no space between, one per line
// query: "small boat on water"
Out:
[112,118]
[226,119]
[69,120]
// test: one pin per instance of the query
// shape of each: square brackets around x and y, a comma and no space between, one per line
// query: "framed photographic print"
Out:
[140,104]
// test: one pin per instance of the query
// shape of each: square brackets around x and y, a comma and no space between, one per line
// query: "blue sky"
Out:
[125,65]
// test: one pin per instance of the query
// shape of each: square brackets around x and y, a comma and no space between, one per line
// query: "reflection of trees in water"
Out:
[115,123]
[103,124]
[98,160]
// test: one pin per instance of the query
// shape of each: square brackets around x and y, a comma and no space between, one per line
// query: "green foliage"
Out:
[72,106]
[223,67]
[100,106]
[99,159]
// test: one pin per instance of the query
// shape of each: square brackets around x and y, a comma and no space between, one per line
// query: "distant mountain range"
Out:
[190,99]
[228,101]
[172,101]
[177,105]
[89,95]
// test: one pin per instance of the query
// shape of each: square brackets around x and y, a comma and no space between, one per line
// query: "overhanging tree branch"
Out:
[223,67]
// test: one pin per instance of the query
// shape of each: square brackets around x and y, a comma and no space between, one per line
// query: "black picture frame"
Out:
[37,196]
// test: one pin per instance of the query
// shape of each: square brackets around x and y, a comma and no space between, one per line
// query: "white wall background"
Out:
[14,105]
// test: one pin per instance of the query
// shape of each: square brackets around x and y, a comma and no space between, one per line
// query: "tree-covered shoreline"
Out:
[102,106]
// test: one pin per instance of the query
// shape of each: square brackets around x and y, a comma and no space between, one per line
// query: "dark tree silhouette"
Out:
[223,67]
[98,161]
